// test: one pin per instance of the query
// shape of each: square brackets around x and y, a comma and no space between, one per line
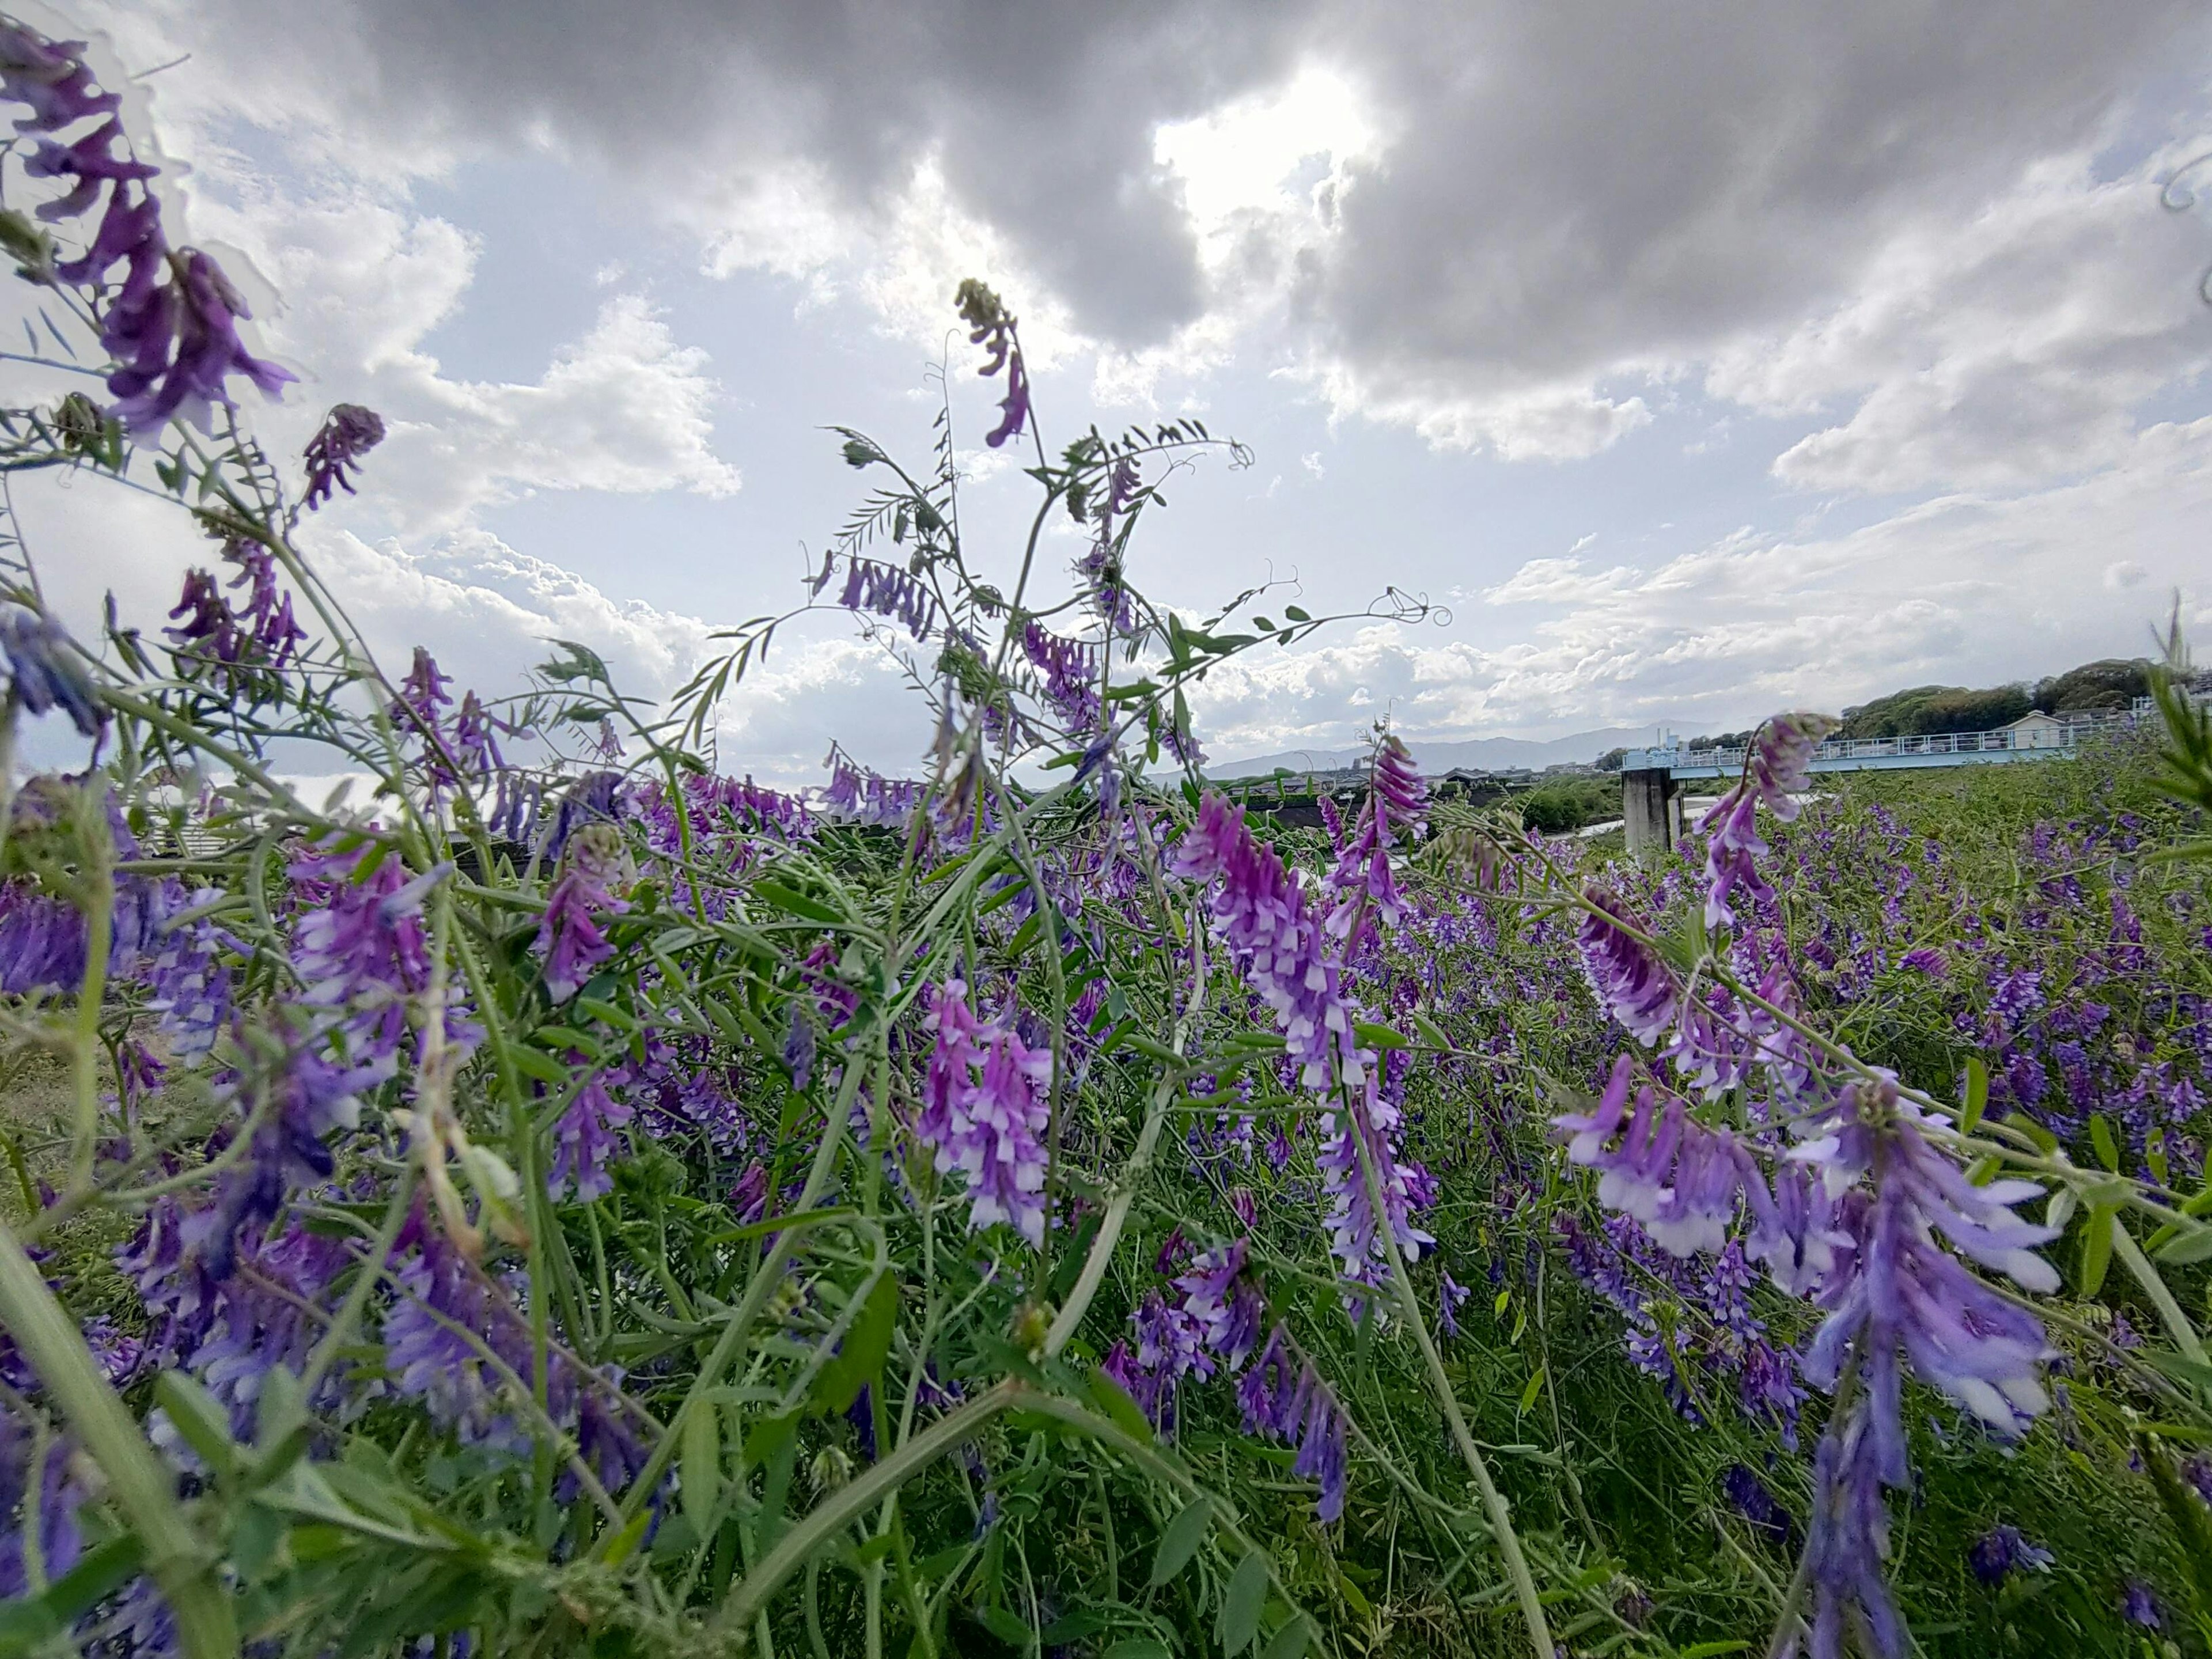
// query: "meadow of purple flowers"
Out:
[579,1203]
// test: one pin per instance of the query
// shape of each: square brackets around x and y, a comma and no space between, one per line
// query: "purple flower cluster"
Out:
[44,671]
[172,325]
[984,1113]
[1267,921]
[585,1138]
[350,432]
[1099,570]
[1265,918]
[52,1469]
[867,797]
[1775,773]
[1070,672]
[883,590]
[2002,1551]
[991,327]
[568,937]
[1365,890]
[1281,1397]
[1632,983]
[238,651]
[442,1294]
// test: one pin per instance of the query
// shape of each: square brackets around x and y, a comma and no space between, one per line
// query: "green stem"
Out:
[1095,1265]
[1494,1501]
[2177,1322]
[848,1503]
[143,1490]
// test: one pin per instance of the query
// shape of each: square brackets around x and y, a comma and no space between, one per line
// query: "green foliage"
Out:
[2109,684]
[1931,709]
[1559,805]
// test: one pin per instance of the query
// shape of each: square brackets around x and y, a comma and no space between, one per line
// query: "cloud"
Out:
[1509,229]
[1985,587]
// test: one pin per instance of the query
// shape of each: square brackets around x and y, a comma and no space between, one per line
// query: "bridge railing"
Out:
[2066,735]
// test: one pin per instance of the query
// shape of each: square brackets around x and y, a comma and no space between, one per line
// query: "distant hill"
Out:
[1436,755]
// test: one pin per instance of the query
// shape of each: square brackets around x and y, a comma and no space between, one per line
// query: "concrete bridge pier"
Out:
[1650,812]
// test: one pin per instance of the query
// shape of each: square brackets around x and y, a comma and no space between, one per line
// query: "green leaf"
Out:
[1295,614]
[700,1464]
[1014,1631]
[1111,1398]
[1381,1036]
[2096,1248]
[1536,1386]
[1978,1094]
[1710,1650]
[2193,1246]
[532,1062]
[199,1417]
[2100,1137]
[860,1359]
[1180,1540]
[797,904]
[1138,1647]
[1241,1604]
[1291,1640]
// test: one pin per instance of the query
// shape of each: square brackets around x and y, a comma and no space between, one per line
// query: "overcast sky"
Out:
[1704,360]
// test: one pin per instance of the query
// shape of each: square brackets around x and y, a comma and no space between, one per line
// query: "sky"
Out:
[1693,362]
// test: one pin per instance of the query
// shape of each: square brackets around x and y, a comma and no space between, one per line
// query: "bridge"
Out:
[1651,779]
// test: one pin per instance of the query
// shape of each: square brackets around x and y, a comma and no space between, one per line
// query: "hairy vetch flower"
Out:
[991,327]
[1281,1397]
[1774,773]
[350,432]
[569,937]
[1998,1552]
[984,1113]
[1631,983]
[45,673]
[585,1138]
[1362,883]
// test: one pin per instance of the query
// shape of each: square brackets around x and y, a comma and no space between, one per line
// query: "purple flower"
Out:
[1362,883]
[984,1113]
[1775,769]
[1848,1542]
[585,1138]
[25,1463]
[1680,1179]
[1070,672]
[1999,1550]
[360,948]
[1222,1303]
[52,77]
[991,327]
[1748,1493]
[1631,983]
[1265,918]
[865,797]
[2139,1607]
[569,937]
[1450,1294]
[46,671]
[200,324]
[883,591]
[1282,1398]
[350,432]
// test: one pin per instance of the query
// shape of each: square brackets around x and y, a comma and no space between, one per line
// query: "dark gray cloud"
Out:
[1042,115]
[1570,204]
[1584,185]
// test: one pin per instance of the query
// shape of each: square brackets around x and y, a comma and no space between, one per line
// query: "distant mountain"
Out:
[1435,755]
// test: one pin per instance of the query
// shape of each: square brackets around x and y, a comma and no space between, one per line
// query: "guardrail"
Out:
[1838,751]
